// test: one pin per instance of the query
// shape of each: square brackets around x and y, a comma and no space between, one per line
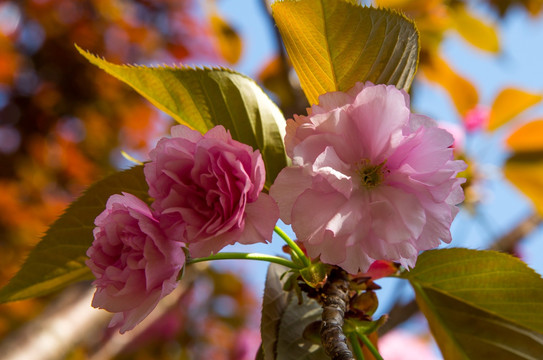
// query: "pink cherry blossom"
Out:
[477,118]
[402,345]
[247,344]
[458,134]
[207,190]
[369,181]
[135,264]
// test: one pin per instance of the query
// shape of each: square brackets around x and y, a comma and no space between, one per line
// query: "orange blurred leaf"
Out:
[9,60]
[463,94]
[509,103]
[475,30]
[274,76]
[228,40]
[527,138]
[525,171]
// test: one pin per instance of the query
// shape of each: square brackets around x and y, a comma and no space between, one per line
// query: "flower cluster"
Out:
[207,194]
[370,180]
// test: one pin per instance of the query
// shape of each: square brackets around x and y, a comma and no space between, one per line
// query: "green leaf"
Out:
[480,304]
[203,98]
[284,321]
[335,43]
[274,303]
[59,258]
[361,327]
[291,344]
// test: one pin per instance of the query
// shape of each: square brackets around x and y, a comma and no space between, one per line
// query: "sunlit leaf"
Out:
[416,6]
[480,304]
[59,258]
[462,92]
[527,138]
[509,103]
[525,171]
[335,43]
[477,31]
[228,41]
[203,98]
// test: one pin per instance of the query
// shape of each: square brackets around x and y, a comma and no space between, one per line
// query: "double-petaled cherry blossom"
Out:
[370,180]
[207,190]
[135,264]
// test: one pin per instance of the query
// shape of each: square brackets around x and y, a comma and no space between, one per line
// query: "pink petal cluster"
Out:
[135,264]
[369,181]
[207,190]
[207,194]
[477,118]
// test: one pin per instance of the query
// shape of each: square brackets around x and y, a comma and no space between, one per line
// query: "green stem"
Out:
[370,346]
[357,349]
[293,246]
[245,256]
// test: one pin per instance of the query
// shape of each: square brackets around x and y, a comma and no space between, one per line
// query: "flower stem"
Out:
[245,256]
[370,346]
[299,253]
[357,349]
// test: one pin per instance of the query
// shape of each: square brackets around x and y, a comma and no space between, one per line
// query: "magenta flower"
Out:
[370,180]
[135,264]
[207,190]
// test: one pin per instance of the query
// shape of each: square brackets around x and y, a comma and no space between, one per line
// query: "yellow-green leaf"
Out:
[203,98]
[509,103]
[480,304]
[59,258]
[335,43]
[475,30]
[527,138]
[525,171]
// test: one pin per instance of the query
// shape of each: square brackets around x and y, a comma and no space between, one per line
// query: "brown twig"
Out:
[335,298]
[509,241]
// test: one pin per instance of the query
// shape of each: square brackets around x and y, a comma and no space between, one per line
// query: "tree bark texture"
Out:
[335,299]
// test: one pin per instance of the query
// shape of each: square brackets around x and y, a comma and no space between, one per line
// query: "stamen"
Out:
[371,175]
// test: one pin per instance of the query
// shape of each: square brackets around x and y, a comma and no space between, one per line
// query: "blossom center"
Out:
[371,175]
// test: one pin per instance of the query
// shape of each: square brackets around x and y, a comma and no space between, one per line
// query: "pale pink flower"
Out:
[477,118]
[135,264]
[401,345]
[207,190]
[247,343]
[369,181]
[458,134]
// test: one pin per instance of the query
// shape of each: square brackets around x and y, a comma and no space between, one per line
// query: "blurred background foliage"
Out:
[63,124]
